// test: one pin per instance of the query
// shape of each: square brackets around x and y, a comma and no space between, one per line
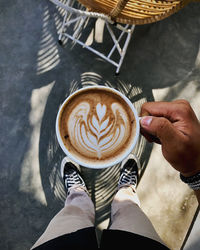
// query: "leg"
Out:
[78,212]
[126,214]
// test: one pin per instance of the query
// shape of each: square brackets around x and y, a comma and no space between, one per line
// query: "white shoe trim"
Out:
[134,157]
[64,161]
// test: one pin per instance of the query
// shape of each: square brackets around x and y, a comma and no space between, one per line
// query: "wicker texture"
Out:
[136,11]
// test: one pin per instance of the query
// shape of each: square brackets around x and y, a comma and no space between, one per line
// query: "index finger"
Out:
[168,110]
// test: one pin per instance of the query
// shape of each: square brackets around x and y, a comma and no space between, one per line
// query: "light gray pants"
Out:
[79,213]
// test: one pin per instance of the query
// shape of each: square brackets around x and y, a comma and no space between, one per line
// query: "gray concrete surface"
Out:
[36,74]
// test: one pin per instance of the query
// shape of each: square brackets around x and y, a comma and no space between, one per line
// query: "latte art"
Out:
[96,127]
[98,134]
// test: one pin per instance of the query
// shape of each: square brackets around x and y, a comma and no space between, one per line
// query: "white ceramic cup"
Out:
[115,160]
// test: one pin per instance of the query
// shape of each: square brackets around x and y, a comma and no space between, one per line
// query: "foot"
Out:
[70,172]
[129,172]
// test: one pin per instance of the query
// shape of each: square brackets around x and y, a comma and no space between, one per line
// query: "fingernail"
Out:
[146,121]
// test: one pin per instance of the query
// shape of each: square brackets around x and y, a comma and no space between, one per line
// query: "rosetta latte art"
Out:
[98,132]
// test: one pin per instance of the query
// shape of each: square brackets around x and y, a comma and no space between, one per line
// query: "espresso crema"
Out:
[97,125]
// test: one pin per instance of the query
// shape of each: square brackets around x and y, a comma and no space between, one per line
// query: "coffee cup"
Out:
[97,127]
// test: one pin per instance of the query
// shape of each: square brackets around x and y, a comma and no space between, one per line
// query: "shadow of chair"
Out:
[101,183]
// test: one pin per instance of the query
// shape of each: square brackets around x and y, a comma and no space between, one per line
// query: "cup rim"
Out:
[105,165]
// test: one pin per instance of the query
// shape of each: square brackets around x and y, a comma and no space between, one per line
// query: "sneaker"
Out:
[129,172]
[70,172]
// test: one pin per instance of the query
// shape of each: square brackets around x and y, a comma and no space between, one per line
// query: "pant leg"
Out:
[126,215]
[78,213]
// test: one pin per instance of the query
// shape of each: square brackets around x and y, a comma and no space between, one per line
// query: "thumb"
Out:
[159,128]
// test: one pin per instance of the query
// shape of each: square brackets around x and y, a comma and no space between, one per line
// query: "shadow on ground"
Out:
[101,183]
[150,63]
[37,75]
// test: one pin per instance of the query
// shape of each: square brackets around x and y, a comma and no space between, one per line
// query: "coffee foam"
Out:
[96,125]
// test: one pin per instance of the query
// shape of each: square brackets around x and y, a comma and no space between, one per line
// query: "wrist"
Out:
[191,173]
[193,181]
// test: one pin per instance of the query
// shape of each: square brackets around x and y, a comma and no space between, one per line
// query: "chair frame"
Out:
[80,17]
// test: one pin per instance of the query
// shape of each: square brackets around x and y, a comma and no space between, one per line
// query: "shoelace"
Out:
[128,177]
[72,179]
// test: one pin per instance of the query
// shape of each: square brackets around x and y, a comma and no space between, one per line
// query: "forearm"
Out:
[197,193]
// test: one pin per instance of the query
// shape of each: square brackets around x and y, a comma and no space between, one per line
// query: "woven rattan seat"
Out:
[136,11]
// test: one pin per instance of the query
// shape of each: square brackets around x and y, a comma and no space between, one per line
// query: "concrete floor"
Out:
[36,74]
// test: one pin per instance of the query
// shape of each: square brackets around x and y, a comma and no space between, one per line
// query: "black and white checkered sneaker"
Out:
[129,172]
[70,172]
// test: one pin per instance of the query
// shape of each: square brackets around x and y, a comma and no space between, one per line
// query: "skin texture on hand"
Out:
[175,126]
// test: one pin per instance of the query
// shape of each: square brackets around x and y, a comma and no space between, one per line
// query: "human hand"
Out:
[175,126]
